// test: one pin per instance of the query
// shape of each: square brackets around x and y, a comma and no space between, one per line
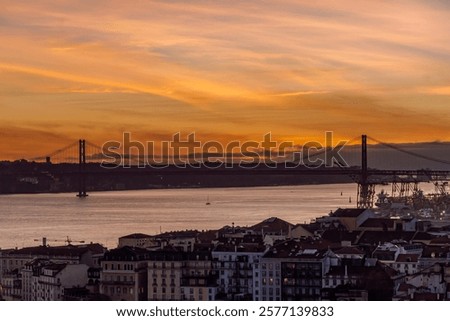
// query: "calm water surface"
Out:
[105,216]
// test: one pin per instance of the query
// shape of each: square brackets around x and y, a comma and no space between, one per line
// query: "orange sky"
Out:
[223,69]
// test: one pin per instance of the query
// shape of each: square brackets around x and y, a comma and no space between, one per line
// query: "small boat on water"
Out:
[207,201]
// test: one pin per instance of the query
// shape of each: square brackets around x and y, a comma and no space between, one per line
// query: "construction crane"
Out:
[67,240]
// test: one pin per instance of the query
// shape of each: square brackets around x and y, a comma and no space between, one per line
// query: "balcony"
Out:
[117,282]
[50,283]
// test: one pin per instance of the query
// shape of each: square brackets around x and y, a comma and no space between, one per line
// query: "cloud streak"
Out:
[233,68]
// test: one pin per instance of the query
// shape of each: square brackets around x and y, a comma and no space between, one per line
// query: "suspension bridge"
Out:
[92,161]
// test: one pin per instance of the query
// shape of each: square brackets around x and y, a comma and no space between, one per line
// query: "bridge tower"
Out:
[366,190]
[82,168]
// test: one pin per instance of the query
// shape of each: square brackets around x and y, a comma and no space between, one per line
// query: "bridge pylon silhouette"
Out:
[82,169]
[366,189]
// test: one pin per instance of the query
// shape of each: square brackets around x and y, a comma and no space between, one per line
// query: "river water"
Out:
[105,216]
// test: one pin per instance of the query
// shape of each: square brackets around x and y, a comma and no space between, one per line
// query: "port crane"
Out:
[67,241]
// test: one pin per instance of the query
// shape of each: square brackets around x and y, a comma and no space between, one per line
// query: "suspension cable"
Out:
[411,153]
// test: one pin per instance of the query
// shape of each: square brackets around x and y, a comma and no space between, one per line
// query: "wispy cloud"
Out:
[229,67]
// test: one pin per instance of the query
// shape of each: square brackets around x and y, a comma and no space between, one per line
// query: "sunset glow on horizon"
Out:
[225,70]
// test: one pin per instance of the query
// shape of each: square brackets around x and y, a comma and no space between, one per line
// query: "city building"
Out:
[124,274]
[12,286]
[234,266]
[292,270]
[352,218]
[138,240]
[45,280]
[180,275]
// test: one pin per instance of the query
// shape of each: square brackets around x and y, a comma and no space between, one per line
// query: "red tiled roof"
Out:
[440,240]
[348,212]
[67,250]
[135,236]
[349,250]
[408,258]
[378,222]
[404,287]
[272,225]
